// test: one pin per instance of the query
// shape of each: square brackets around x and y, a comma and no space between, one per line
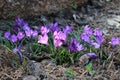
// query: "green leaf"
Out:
[89,67]
[69,73]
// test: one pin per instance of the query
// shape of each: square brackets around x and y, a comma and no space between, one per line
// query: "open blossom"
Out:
[19,21]
[97,42]
[43,39]
[34,33]
[13,38]
[115,41]
[54,27]
[67,29]
[26,26]
[99,39]
[97,32]
[29,32]
[20,35]
[88,31]
[44,30]
[59,38]
[75,45]
[79,47]
[85,37]
[7,35]
[57,42]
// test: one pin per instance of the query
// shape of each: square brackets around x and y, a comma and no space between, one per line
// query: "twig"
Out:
[83,73]
[7,75]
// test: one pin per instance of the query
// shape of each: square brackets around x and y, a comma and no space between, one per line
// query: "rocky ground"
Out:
[107,18]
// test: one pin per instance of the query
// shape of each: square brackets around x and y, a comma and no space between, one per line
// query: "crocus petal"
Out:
[67,29]
[99,39]
[17,51]
[19,21]
[62,36]
[79,47]
[43,39]
[57,43]
[20,35]
[92,55]
[29,33]
[26,27]
[20,55]
[115,41]
[88,30]
[54,27]
[13,38]
[35,33]
[44,30]
[96,45]
[7,35]
[85,37]
[97,32]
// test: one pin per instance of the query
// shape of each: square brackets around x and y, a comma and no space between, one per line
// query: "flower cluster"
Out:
[93,37]
[22,29]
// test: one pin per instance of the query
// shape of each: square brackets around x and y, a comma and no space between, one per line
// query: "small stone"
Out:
[35,68]
[30,78]
[113,23]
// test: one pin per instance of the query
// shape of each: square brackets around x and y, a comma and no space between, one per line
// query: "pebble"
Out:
[113,23]
[30,78]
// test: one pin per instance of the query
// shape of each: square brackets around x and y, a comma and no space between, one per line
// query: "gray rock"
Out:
[30,78]
[114,22]
[35,68]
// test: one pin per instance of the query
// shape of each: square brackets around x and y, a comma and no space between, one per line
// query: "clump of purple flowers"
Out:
[75,45]
[90,36]
[89,33]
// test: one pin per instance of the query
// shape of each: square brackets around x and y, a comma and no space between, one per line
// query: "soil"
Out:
[96,17]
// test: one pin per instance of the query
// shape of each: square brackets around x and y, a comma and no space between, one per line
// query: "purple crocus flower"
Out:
[85,37]
[54,27]
[96,45]
[13,38]
[115,41]
[97,42]
[26,26]
[92,55]
[20,35]
[34,33]
[79,47]
[97,32]
[75,45]
[7,35]
[88,30]
[29,33]
[59,38]
[67,29]
[44,30]
[99,39]
[19,21]
[57,43]
[43,39]
[72,46]
[17,51]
